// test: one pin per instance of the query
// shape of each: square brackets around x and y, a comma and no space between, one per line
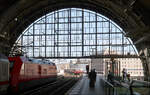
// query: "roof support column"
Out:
[145,58]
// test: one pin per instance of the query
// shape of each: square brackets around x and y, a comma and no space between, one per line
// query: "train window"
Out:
[45,71]
[11,65]
[53,64]
[30,60]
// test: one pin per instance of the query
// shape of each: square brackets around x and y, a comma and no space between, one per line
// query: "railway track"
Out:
[61,86]
[64,88]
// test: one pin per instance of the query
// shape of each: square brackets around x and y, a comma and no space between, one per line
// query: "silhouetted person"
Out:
[87,69]
[128,76]
[92,77]
[110,76]
[124,74]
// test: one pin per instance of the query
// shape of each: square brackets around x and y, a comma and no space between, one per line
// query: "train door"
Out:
[4,70]
[4,74]
[39,69]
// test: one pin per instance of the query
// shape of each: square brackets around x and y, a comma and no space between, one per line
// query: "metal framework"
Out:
[74,33]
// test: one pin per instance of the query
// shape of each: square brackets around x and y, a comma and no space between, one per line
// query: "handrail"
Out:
[143,82]
[123,85]
[126,86]
[130,86]
[108,83]
[142,85]
[109,88]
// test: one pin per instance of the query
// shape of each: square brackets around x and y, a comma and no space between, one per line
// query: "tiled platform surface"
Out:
[82,87]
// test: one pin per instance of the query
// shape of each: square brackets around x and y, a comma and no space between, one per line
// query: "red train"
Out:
[27,73]
[4,74]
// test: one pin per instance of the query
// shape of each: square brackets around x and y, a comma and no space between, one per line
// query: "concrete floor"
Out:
[82,87]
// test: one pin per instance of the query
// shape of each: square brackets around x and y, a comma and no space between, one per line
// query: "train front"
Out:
[28,73]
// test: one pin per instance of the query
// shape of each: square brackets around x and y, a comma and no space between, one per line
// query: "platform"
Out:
[82,87]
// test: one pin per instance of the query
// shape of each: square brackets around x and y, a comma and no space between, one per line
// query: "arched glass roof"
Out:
[72,33]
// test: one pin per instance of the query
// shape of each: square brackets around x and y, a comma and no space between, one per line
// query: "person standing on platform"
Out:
[87,69]
[110,76]
[92,77]
[128,76]
[124,74]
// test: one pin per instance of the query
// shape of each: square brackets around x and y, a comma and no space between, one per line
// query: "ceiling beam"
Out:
[141,39]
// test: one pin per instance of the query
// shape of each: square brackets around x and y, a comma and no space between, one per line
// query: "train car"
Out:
[30,73]
[4,74]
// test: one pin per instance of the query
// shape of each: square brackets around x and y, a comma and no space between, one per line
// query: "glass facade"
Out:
[73,33]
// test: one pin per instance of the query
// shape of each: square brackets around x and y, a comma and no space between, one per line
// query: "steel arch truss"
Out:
[73,33]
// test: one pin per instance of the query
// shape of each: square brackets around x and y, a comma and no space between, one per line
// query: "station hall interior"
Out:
[75,47]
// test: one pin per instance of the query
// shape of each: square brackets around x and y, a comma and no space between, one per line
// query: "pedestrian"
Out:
[92,77]
[87,69]
[128,76]
[110,76]
[124,74]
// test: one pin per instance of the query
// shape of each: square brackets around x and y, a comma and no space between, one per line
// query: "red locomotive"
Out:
[27,73]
